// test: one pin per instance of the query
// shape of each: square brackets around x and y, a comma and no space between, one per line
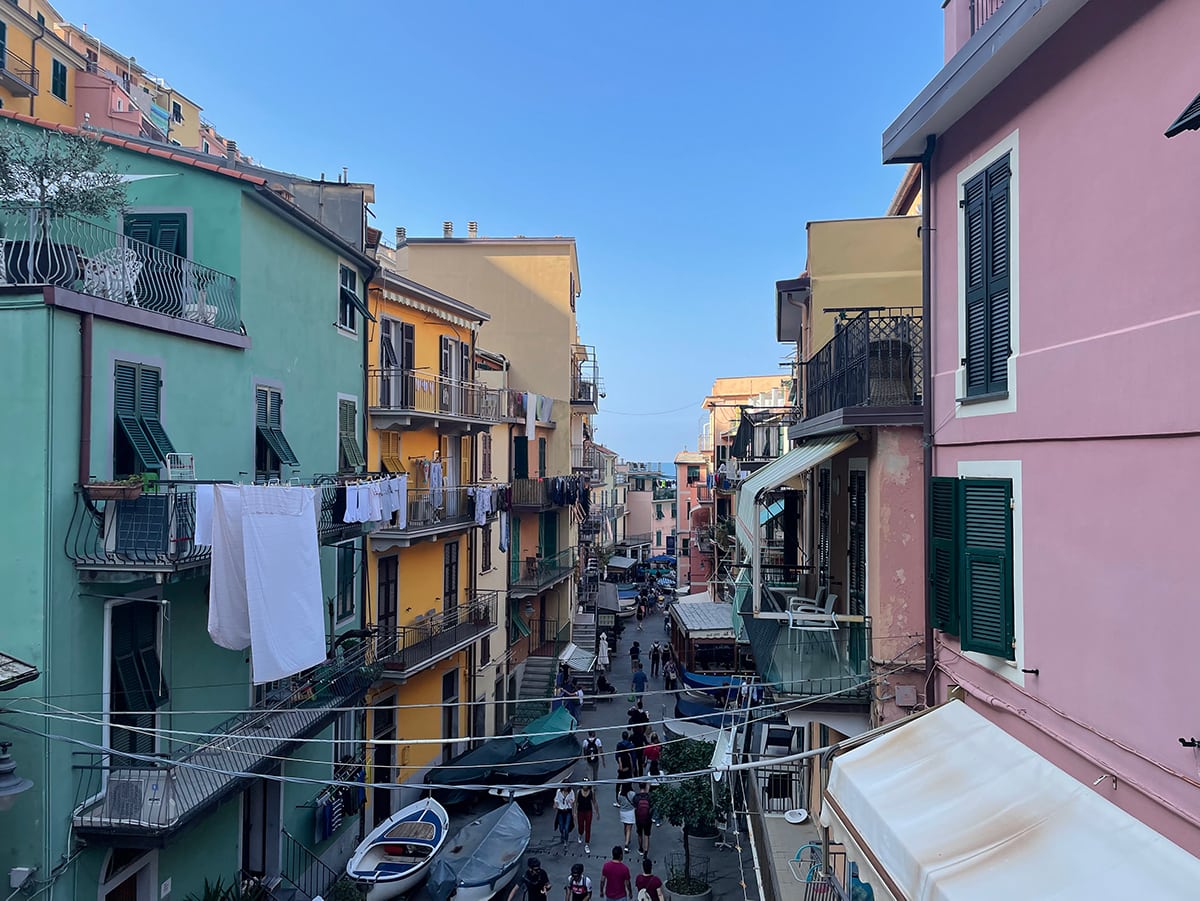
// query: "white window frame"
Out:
[345,728]
[1009,145]
[358,411]
[1005,469]
[349,331]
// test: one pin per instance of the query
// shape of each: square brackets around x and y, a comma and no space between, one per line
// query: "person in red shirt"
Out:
[615,884]
[648,881]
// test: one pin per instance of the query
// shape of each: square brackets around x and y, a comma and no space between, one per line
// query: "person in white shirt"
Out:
[564,812]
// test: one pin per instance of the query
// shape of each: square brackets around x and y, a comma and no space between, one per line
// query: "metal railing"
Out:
[539,492]
[413,647]
[664,494]
[874,360]
[512,405]
[704,494]
[981,11]
[118,796]
[303,869]
[18,69]
[585,456]
[782,786]
[411,391]
[40,248]
[637,538]
[540,572]
[436,508]
[585,375]
[331,528]
[151,532]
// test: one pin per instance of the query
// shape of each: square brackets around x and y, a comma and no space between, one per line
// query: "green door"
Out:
[549,534]
[520,458]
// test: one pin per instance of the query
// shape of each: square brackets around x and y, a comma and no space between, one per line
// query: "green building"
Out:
[211,332]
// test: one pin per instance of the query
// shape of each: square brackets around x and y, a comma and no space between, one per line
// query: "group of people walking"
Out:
[616,882]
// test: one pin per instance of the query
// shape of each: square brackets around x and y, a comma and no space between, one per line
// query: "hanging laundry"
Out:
[228,613]
[503,532]
[282,572]
[545,408]
[435,483]
[374,502]
[531,402]
[400,488]
[204,513]
[483,505]
[354,504]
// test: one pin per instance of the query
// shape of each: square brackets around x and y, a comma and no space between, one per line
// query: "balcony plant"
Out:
[129,489]
[689,803]
[50,176]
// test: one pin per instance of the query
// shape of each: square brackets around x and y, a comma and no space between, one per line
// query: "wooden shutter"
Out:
[986,572]
[126,377]
[974,202]
[857,550]
[407,346]
[348,442]
[944,526]
[268,414]
[389,451]
[520,457]
[445,360]
[823,486]
[998,274]
[485,455]
[541,457]
[149,390]
[262,407]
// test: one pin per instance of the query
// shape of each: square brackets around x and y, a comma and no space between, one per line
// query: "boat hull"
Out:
[418,831]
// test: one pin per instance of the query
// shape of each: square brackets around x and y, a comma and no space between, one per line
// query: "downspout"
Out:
[473,554]
[33,63]
[363,573]
[85,397]
[927,387]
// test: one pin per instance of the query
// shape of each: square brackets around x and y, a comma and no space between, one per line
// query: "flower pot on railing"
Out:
[114,491]
[41,263]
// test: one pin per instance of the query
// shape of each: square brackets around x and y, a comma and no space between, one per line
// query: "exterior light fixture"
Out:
[11,784]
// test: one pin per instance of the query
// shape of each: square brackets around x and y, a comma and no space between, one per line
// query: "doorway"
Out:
[262,809]
[383,758]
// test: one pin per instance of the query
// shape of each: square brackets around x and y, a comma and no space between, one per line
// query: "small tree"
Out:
[689,802]
[59,174]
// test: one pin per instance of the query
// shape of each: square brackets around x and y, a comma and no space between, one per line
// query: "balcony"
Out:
[636,538]
[585,379]
[435,636]
[144,803]
[830,664]
[704,494]
[513,404]
[869,373]
[664,494]
[128,530]
[532,575]
[406,398]
[430,512]
[981,11]
[39,249]
[330,528]
[536,494]
[18,77]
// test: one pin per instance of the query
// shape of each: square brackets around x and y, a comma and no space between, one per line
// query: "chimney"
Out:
[401,235]
[472,229]
[345,175]
[447,229]
[231,151]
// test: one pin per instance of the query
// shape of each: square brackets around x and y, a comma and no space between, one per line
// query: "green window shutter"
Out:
[520,457]
[976,361]
[944,527]
[58,79]
[268,417]
[999,176]
[164,231]
[986,575]
[262,404]
[542,458]
[514,544]
[125,393]
[347,420]
[149,389]
[125,407]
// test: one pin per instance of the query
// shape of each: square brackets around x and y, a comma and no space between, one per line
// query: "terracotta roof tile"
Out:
[161,152]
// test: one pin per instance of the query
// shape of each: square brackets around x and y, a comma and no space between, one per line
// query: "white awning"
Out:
[578,659]
[780,471]
[618,562]
[952,808]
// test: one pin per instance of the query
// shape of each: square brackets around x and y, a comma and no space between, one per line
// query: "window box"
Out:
[114,491]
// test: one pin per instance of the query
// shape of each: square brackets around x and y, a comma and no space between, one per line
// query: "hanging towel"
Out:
[483,505]
[353,500]
[283,580]
[503,532]
[401,488]
[204,515]
[435,484]
[545,408]
[374,502]
[531,402]
[228,614]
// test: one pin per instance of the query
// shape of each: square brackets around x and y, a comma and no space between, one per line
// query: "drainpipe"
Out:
[363,574]
[85,397]
[927,387]
[33,63]
[473,553]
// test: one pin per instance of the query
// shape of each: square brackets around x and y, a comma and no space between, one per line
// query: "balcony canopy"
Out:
[950,806]
[780,472]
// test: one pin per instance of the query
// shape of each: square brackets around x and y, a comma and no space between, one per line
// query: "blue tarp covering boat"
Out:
[481,858]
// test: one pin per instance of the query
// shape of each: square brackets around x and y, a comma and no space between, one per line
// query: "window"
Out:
[204,146]
[674,511]
[520,457]
[987,264]
[485,557]
[683,545]
[693,475]
[138,687]
[346,736]
[349,303]
[271,449]
[58,80]
[165,231]
[389,451]
[349,455]
[856,582]
[823,484]
[176,111]
[41,20]
[450,575]
[140,443]
[389,597]
[542,458]
[658,538]
[971,563]
[347,566]
[485,455]
[449,711]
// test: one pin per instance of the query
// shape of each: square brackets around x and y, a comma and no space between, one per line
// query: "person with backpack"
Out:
[593,754]
[643,817]
[624,767]
[670,674]
[535,882]
[655,658]
[579,887]
[585,810]
[649,887]
[653,754]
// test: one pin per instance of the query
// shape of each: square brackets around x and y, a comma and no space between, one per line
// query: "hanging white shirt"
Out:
[435,483]
[400,488]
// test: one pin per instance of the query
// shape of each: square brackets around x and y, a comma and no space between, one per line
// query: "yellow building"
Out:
[38,69]
[435,625]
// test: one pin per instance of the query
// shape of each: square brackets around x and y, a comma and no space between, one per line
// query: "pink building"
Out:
[691,482]
[1063,329]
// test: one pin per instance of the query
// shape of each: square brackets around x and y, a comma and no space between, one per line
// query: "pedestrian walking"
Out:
[579,887]
[655,658]
[562,676]
[564,812]
[653,754]
[638,738]
[635,654]
[535,883]
[602,657]
[574,699]
[670,674]
[641,613]
[667,622]
[649,883]
[624,767]
[643,817]
[585,810]
[628,815]
[593,754]
[639,679]
[615,884]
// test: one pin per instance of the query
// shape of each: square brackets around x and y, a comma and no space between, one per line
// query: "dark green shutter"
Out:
[165,231]
[268,416]
[976,288]
[125,406]
[347,422]
[944,525]
[998,277]
[346,565]
[542,457]
[262,406]
[520,457]
[986,576]
[149,406]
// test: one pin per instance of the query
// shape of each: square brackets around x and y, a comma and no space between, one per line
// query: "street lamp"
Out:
[11,784]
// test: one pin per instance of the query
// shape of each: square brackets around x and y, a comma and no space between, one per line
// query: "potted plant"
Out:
[46,177]
[123,490]
[688,803]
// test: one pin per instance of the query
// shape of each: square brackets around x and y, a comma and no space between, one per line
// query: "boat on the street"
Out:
[543,768]
[397,854]
[482,858]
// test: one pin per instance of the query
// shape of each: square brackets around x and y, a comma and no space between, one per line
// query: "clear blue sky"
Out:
[684,144]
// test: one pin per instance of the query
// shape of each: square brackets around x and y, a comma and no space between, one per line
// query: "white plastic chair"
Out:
[113,274]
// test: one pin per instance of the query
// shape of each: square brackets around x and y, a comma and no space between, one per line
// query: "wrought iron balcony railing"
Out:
[665,494]
[20,77]
[39,248]
[538,572]
[412,391]
[585,376]
[874,360]
[122,798]
[409,649]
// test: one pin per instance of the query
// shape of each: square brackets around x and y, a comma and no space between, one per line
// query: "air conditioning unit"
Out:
[149,528]
[141,797]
